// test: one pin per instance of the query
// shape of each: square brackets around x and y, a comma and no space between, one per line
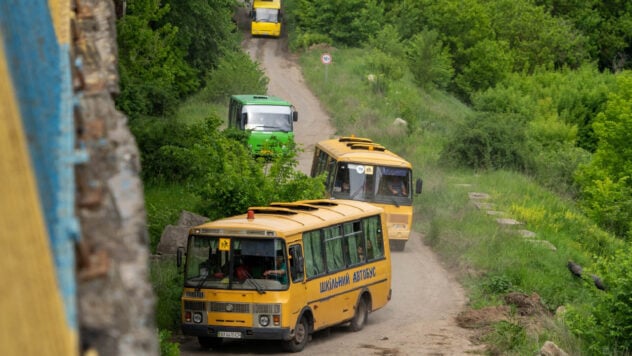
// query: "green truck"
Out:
[268,119]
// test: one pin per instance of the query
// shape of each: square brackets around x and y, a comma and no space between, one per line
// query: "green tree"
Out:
[488,141]
[154,75]
[490,62]
[429,61]
[205,30]
[606,183]
[537,39]
[346,22]
[606,24]
[235,73]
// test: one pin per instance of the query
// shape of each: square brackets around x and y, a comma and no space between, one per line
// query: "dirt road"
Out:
[420,319]
[286,81]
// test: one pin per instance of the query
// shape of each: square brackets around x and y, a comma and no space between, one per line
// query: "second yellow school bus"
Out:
[266,18]
[360,169]
[284,271]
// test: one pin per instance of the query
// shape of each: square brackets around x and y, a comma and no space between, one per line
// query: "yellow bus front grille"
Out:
[222,307]
[267,308]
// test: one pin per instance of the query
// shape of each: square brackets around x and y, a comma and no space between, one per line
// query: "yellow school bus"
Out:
[360,169]
[284,271]
[266,18]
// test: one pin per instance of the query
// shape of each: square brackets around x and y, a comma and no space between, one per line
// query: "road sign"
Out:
[325,58]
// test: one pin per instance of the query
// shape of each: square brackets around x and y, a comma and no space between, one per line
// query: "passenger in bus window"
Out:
[280,271]
[360,254]
[396,186]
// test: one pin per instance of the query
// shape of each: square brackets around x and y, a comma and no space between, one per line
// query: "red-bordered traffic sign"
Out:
[326,58]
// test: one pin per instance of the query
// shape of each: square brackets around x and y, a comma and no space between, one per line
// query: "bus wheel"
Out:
[207,342]
[301,336]
[361,314]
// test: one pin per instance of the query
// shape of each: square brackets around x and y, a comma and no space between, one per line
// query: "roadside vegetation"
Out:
[537,128]
[529,102]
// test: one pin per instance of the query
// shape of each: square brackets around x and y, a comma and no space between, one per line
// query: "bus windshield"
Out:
[266,15]
[373,183]
[268,118]
[236,263]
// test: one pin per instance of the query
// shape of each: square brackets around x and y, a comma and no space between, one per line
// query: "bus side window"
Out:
[373,233]
[296,263]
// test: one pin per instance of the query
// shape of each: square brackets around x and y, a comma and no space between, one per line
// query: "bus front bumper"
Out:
[237,333]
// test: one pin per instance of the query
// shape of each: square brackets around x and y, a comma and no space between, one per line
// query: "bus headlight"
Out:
[197,317]
[264,320]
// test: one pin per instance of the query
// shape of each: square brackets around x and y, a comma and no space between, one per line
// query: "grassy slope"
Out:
[489,259]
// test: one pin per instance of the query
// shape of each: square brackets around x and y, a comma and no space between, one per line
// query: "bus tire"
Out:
[300,339]
[360,316]
[207,342]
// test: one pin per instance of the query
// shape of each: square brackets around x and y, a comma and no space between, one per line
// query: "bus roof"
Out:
[272,4]
[361,150]
[250,99]
[283,219]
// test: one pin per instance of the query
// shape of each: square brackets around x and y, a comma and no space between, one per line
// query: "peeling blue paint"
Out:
[41,75]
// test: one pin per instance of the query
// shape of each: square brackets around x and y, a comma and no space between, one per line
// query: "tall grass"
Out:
[164,202]
[489,259]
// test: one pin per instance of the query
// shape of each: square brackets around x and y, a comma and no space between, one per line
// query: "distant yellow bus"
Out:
[360,169]
[266,18]
[284,271]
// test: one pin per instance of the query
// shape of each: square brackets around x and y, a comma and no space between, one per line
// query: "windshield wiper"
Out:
[199,286]
[250,279]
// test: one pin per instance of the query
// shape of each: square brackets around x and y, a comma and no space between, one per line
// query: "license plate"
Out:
[229,334]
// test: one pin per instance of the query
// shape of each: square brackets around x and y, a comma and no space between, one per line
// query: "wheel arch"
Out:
[365,294]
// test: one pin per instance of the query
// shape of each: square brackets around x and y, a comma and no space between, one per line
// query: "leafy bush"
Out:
[497,284]
[490,62]
[154,75]
[304,40]
[236,73]
[206,30]
[606,185]
[488,141]
[349,22]
[171,152]
[167,348]
[429,60]
[237,182]
[218,168]
[167,283]
[606,324]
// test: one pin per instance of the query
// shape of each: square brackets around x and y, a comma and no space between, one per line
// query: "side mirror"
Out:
[244,119]
[253,15]
[179,254]
[418,186]
[294,115]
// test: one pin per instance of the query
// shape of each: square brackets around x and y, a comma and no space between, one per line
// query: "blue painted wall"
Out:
[41,75]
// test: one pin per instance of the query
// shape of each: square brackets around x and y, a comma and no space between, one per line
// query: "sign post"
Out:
[326,59]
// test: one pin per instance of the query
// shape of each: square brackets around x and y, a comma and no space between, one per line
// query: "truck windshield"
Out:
[236,263]
[268,118]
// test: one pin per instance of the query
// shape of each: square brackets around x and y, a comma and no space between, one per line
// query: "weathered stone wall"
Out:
[115,297]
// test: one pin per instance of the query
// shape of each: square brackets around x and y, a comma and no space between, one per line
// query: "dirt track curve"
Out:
[420,319]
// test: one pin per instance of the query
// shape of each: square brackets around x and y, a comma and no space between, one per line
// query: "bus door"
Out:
[298,288]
